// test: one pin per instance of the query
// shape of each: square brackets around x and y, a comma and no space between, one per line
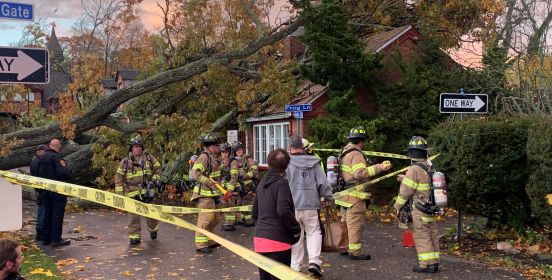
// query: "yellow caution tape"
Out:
[151,211]
[369,153]
[190,210]
[361,187]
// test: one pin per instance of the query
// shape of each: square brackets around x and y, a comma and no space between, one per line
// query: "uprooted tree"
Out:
[219,72]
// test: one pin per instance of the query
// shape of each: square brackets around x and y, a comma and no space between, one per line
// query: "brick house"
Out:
[272,129]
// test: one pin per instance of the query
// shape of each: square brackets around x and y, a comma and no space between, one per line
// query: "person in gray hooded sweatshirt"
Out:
[308,184]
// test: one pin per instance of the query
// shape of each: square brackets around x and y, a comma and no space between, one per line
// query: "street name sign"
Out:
[20,11]
[24,66]
[298,108]
[298,115]
[463,103]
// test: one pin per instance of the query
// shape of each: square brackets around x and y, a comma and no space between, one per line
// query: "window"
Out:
[30,97]
[267,137]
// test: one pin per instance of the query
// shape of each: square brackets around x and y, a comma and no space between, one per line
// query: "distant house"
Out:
[109,86]
[125,78]
[272,129]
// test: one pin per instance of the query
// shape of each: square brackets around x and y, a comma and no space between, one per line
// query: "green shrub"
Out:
[539,156]
[486,165]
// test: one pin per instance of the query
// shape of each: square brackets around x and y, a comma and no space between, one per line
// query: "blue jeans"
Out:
[40,213]
[54,211]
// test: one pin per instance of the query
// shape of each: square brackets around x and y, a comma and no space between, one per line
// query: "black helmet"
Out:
[417,142]
[210,139]
[136,141]
[236,145]
[357,133]
[225,147]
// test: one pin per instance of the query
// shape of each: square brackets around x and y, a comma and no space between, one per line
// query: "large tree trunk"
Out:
[98,115]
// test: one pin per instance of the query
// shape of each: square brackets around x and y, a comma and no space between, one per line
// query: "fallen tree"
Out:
[78,157]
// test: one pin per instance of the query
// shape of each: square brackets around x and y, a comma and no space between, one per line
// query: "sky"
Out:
[65,12]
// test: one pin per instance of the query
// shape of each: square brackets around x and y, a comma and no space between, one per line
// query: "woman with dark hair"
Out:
[274,213]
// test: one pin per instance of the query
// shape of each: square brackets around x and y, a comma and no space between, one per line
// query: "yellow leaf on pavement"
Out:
[42,271]
[126,273]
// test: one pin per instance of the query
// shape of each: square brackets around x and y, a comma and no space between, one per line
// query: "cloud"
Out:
[57,9]
[7,26]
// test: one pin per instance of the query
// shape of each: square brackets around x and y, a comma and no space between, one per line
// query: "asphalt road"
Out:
[100,250]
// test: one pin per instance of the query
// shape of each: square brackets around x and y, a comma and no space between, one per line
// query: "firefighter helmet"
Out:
[225,147]
[136,141]
[357,133]
[307,146]
[417,142]
[210,139]
[236,145]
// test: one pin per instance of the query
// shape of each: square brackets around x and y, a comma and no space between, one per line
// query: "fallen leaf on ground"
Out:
[66,262]
[126,273]
[42,271]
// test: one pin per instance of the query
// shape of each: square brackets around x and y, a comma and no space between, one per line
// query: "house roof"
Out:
[307,93]
[127,74]
[378,42]
[109,84]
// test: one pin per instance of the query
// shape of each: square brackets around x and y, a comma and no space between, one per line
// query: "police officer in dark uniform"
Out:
[52,166]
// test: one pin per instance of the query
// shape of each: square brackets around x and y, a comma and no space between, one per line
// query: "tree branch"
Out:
[243,72]
[121,125]
[260,28]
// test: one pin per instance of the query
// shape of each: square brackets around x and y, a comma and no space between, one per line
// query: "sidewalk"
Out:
[100,250]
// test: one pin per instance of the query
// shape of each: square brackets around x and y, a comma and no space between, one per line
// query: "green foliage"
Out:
[34,117]
[335,54]
[486,165]
[410,106]
[330,132]
[539,156]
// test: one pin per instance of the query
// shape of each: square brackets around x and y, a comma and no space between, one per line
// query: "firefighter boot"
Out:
[432,268]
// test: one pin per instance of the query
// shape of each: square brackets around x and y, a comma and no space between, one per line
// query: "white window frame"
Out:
[279,141]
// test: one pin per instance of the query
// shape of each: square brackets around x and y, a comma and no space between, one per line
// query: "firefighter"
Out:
[308,147]
[415,190]
[246,174]
[138,172]
[206,171]
[354,171]
[229,180]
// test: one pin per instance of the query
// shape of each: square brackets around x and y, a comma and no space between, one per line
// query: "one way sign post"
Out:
[24,66]
[466,103]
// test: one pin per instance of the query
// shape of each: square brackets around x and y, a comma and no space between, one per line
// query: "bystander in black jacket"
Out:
[273,210]
[52,166]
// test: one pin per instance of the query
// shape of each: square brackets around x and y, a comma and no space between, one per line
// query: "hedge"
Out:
[486,165]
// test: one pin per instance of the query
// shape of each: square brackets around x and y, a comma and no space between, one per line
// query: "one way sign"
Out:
[466,103]
[24,66]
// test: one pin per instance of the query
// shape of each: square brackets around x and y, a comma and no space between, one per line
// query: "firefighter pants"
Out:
[135,227]
[355,217]
[230,217]
[425,238]
[245,217]
[206,221]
